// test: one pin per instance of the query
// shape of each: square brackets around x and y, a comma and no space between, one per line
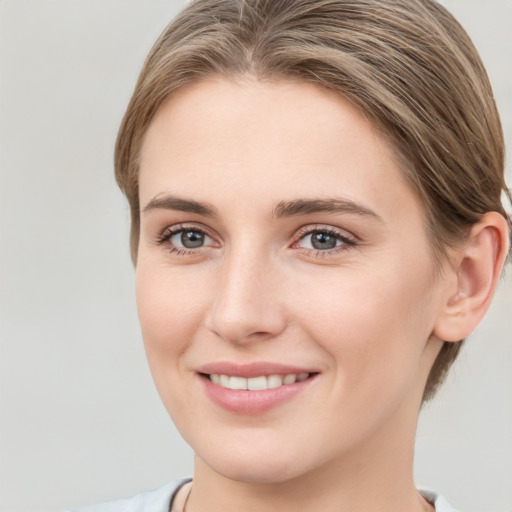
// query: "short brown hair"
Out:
[408,65]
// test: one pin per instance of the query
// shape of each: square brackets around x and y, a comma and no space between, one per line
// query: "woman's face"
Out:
[279,241]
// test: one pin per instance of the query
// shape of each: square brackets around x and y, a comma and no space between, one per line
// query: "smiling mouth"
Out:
[254,388]
[258,383]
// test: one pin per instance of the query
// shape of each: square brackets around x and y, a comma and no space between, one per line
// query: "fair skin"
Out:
[234,268]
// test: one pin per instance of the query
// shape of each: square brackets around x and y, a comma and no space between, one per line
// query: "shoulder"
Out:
[439,502]
[157,500]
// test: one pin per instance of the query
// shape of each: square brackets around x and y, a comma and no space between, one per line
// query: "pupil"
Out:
[192,239]
[323,241]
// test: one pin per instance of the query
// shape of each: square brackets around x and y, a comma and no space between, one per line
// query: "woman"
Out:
[316,225]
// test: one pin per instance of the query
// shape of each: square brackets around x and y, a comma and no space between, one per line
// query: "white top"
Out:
[160,500]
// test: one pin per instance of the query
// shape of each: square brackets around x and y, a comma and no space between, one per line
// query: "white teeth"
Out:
[257,383]
[274,381]
[290,378]
[237,383]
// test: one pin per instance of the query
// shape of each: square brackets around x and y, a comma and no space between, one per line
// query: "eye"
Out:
[182,239]
[324,240]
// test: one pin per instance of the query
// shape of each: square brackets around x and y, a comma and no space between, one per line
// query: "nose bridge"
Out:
[246,304]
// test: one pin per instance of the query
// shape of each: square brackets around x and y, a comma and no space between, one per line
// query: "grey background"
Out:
[80,419]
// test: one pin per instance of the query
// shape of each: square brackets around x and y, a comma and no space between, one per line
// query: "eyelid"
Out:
[328,228]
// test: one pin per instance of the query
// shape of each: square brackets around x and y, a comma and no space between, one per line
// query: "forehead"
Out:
[267,142]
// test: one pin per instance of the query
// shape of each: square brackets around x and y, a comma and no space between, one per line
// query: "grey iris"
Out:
[192,239]
[323,241]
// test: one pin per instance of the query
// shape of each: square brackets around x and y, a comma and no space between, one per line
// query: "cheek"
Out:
[374,325]
[170,308]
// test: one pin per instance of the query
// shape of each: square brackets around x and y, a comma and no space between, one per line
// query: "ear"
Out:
[476,268]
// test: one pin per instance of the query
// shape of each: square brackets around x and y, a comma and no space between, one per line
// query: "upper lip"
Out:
[253,369]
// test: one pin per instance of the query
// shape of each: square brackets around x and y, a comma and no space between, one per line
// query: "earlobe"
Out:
[477,269]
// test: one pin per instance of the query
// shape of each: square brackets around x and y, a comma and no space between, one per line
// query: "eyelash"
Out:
[347,241]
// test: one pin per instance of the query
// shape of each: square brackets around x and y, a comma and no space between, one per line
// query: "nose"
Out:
[246,305]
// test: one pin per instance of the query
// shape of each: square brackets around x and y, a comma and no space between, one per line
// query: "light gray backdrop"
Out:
[80,420]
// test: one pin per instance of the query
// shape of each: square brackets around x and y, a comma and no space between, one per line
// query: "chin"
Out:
[256,472]
[254,461]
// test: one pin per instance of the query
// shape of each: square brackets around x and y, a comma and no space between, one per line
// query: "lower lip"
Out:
[252,402]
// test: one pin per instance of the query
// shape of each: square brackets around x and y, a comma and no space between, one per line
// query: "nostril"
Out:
[259,335]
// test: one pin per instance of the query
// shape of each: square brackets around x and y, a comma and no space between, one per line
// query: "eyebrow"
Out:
[293,208]
[330,205]
[170,202]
